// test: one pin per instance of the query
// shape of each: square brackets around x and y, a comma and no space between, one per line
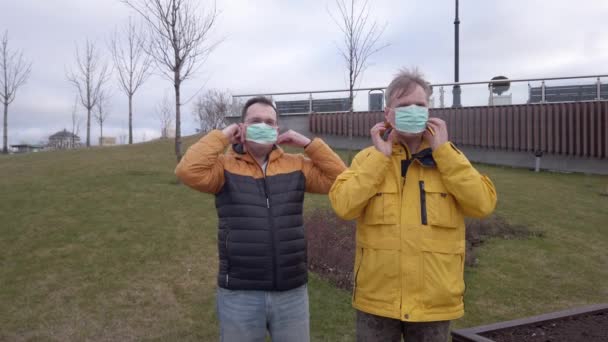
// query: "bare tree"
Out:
[15,72]
[179,42]
[360,41]
[101,112]
[165,116]
[132,63]
[88,78]
[76,122]
[212,107]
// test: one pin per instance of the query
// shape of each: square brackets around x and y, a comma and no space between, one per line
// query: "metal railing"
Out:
[442,91]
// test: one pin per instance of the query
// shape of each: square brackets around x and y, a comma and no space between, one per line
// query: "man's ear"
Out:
[386,113]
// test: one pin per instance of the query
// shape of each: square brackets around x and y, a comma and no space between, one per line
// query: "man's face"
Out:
[260,113]
[417,96]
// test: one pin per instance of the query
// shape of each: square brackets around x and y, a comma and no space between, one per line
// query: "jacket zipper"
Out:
[227,259]
[357,274]
[272,237]
[270,225]
[422,203]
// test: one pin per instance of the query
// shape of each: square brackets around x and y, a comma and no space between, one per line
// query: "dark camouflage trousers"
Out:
[372,328]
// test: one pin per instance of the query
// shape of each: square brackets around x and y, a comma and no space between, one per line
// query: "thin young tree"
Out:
[164,113]
[361,39]
[179,34]
[132,63]
[15,73]
[76,122]
[101,112]
[211,109]
[88,77]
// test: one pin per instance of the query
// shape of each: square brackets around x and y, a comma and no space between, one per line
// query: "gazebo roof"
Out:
[63,134]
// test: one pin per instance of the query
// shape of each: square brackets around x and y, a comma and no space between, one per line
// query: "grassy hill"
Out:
[101,244]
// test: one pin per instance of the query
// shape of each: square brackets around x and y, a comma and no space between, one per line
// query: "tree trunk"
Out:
[88,127]
[130,119]
[101,134]
[178,135]
[350,115]
[5,135]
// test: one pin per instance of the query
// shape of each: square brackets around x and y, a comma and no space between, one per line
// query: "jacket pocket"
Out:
[382,208]
[377,276]
[439,206]
[443,274]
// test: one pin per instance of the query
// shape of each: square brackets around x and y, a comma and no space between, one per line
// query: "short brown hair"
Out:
[258,99]
[404,83]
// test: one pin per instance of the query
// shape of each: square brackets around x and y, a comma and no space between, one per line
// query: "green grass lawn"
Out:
[101,244]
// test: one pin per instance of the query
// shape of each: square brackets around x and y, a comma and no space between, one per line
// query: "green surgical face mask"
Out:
[261,133]
[411,119]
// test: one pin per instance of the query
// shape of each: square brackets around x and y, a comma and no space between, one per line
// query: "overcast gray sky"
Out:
[278,46]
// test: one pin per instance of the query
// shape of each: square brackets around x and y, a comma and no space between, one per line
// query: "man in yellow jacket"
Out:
[409,194]
[259,193]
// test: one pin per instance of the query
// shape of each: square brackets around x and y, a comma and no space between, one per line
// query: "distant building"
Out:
[568,93]
[26,148]
[107,141]
[64,140]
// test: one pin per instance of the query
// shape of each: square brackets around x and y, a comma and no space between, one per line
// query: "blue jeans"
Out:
[249,315]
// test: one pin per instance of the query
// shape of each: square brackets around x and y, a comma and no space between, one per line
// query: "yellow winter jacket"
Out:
[409,260]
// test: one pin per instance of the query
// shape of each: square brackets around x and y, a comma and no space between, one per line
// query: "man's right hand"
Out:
[385,147]
[235,133]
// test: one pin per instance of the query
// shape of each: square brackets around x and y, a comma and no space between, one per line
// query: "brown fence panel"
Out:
[592,122]
[576,129]
[605,133]
[571,136]
[516,136]
[371,121]
[496,126]
[465,125]
[524,127]
[486,126]
[563,148]
[550,110]
[535,125]
[473,123]
[363,122]
[474,128]
[361,128]
[585,130]
[477,126]
[510,123]
[529,127]
[561,133]
[502,127]
[451,122]
[600,128]
[542,126]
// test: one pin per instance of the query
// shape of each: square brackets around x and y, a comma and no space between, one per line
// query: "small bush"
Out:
[331,243]
[480,230]
[331,247]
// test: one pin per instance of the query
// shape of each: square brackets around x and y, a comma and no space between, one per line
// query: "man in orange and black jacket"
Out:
[259,192]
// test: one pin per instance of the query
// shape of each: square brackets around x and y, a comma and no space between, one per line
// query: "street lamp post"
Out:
[456,90]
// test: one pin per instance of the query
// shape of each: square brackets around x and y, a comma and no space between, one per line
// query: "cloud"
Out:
[277,46]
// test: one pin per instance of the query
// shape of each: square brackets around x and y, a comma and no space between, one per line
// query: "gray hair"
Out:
[405,82]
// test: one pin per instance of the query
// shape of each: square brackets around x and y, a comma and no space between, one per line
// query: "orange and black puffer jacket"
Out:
[261,241]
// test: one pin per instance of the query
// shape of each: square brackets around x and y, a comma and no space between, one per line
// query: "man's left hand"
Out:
[293,138]
[441,133]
